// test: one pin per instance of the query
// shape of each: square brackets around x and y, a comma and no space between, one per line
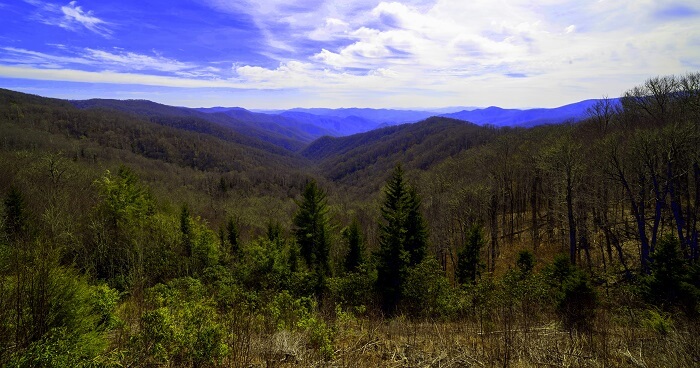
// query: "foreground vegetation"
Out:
[149,241]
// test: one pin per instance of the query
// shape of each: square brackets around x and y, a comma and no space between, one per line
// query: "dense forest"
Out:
[138,234]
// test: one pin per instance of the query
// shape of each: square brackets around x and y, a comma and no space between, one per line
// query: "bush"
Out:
[670,282]
[575,297]
[354,289]
[427,292]
[182,329]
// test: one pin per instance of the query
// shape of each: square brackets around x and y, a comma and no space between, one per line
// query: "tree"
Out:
[355,257]
[402,239]
[15,214]
[311,230]
[416,232]
[232,236]
[469,264]
[669,282]
[186,229]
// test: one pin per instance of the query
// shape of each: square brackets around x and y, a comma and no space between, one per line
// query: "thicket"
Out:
[561,245]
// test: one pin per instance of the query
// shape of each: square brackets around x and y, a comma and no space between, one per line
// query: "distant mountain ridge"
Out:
[499,117]
[295,129]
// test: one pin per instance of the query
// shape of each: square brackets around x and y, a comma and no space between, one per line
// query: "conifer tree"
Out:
[311,229]
[232,236]
[186,229]
[469,263]
[416,233]
[402,239]
[15,214]
[355,257]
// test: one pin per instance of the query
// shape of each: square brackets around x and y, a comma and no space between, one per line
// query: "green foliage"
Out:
[416,241]
[320,336]
[525,262]
[63,323]
[311,229]
[127,235]
[181,329]
[119,228]
[670,281]
[285,312]
[402,239]
[15,214]
[125,200]
[355,257]
[427,292]
[658,322]
[469,264]
[186,229]
[232,237]
[354,289]
[575,297]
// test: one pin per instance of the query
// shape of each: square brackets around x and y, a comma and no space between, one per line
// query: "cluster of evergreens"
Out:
[144,238]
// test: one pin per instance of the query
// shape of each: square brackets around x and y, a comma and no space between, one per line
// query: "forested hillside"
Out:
[138,234]
[260,128]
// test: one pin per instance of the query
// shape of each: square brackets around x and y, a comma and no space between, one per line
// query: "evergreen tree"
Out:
[274,232]
[186,229]
[469,263]
[356,249]
[232,236]
[402,239]
[416,233]
[15,214]
[311,229]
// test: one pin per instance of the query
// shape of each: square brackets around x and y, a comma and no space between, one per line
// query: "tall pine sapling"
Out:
[402,239]
[355,257]
[469,264]
[311,232]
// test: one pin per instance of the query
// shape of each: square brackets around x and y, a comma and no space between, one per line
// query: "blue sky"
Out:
[366,53]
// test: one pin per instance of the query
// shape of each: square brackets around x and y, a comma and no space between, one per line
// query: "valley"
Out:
[141,234]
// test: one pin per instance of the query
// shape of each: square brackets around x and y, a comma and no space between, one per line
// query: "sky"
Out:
[279,54]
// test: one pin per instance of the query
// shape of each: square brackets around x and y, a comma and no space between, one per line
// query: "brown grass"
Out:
[400,342]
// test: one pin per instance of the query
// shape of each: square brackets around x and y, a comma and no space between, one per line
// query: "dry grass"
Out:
[399,342]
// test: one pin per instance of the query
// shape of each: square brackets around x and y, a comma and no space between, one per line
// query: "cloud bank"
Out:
[426,53]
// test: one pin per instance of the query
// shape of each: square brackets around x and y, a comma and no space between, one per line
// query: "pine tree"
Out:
[402,239]
[469,263]
[355,256]
[311,230]
[186,229]
[416,233]
[15,214]
[232,236]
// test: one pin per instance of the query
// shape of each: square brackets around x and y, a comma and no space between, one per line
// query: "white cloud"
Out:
[440,52]
[111,77]
[74,15]
[134,61]
[70,16]
[119,61]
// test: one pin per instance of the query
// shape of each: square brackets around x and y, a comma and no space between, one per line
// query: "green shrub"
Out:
[182,329]
[575,296]
[658,322]
[670,282]
[427,292]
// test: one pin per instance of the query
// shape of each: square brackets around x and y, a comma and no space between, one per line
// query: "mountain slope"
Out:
[338,126]
[420,145]
[283,125]
[184,141]
[279,136]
